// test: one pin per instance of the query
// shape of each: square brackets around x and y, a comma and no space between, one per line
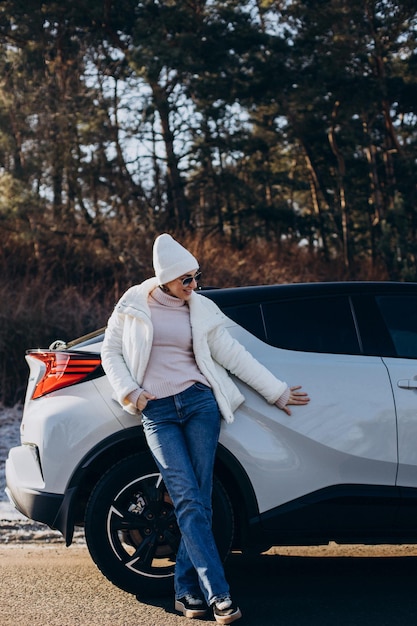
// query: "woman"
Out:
[166,351]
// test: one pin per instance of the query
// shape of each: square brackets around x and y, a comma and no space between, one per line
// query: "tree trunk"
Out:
[179,214]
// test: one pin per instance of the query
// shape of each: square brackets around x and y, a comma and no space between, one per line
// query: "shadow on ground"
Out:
[304,591]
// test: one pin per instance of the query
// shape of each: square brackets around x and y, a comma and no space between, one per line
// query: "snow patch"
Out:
[10,419]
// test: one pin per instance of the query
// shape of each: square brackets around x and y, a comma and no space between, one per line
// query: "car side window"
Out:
[322,324]
[400,316]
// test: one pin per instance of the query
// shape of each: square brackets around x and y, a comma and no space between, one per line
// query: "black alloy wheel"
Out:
[131,528]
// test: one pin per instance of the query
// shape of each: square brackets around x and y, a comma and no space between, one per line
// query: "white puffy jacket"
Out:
[128,343]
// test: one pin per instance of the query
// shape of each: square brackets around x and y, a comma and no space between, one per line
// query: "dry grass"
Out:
[260,262]
[32,315]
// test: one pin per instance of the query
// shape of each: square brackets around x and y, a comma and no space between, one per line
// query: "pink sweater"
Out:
[171,367]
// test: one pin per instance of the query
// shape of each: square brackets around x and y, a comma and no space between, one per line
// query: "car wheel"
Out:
[131,529]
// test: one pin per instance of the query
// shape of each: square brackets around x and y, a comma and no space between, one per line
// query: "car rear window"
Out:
[323,324]
[400,316]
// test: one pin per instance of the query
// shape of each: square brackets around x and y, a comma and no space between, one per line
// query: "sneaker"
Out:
[225,612]
[190,606]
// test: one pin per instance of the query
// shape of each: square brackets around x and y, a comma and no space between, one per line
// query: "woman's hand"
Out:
[143,400]
[296,398]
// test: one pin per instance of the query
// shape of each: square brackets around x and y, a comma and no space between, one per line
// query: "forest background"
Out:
[275,138]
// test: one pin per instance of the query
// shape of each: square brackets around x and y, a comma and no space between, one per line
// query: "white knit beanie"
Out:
[171,260]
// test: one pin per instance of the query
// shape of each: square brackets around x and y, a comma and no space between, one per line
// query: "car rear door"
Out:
[399,314]
[346,435]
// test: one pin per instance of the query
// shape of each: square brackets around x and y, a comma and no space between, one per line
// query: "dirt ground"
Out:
[45,584]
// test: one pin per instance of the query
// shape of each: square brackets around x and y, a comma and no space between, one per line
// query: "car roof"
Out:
[234,296]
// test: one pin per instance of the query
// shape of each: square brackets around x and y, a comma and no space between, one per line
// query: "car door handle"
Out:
[407,384]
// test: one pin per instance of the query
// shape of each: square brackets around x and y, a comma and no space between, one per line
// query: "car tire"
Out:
[131,529]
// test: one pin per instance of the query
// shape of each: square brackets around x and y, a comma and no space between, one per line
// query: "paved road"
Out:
[49,585]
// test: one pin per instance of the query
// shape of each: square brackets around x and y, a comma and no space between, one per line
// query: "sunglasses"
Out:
[189,279]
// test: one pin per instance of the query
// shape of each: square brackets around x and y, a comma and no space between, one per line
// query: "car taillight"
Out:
[63,369]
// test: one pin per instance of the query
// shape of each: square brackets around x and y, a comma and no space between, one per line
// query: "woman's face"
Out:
[177,289]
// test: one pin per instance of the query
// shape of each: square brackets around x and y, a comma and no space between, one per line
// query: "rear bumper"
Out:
[25,488]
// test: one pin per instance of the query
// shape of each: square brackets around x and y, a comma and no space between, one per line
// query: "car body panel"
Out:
[333,440]
[127,420]
[64,426]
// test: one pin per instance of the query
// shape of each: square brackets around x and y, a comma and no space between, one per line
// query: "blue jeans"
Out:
[182,432]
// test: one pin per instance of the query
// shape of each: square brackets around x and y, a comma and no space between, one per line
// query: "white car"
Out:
[343,468]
